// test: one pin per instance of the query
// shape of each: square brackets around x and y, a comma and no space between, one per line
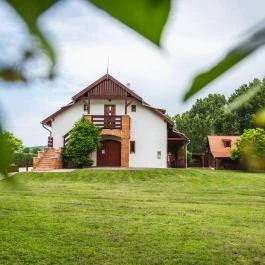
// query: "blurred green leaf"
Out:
[29,11]
[259,118]
[239,101]
[236,55]
[4,154]
[147,17]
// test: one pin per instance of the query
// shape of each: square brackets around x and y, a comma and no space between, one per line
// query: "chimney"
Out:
[128,85]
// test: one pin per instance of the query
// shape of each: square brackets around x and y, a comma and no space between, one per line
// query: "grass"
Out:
[133,217]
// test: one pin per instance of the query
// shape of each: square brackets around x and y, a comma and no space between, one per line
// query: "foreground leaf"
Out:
[4,154]
[236,55]
[259,118]
[147,17]
[29,11]
[243,98]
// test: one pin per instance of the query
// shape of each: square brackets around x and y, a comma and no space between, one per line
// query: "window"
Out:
[158,154]
[133,108]
[85,107]
[227,143]
[132,147]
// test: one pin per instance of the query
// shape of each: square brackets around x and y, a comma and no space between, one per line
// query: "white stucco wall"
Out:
[64,122]
[149,132]
[97,106]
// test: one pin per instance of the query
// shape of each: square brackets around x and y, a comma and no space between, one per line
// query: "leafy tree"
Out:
[227,123]
[26,150]
[245,112]
[9,144]
[206,117]
[22,159]
[35,150]
[14,144]
[84,139]
[251,149]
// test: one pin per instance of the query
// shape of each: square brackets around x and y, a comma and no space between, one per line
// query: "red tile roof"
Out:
[216,145]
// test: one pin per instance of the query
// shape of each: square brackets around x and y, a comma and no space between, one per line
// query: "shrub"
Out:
[84,139]
[251,149]
[22,159]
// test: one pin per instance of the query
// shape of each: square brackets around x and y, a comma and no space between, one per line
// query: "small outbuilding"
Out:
[218,154]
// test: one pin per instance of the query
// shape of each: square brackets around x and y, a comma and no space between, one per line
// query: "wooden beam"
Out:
[125,103]
[88,103]
[129,103]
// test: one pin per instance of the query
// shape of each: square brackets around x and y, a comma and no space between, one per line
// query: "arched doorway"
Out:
[109,153]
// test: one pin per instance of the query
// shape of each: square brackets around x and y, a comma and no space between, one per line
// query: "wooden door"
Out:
[109,110]
[109,154]
[109,113]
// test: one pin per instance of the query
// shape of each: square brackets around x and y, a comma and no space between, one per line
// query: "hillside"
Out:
[133,217]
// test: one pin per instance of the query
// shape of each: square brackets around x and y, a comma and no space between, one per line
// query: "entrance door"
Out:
[109,113]
[109,154]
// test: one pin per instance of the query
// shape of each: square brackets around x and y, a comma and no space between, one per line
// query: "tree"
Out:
[84,139]
[26,150]
[227,123]
[250,149]
[14,144]
[35,150]
[9,144]
[245,112]
[206,117]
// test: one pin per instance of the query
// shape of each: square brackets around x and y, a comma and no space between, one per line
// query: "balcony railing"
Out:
[103,122]
[107,122]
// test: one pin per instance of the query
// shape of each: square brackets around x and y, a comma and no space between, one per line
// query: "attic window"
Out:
[227,143]
[133,108]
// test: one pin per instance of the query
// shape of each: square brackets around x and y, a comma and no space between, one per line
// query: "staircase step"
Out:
[47,160]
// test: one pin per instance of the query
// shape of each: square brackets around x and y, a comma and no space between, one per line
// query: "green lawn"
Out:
[133,217]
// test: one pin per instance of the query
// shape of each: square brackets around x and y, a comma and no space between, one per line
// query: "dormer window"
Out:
[227,143]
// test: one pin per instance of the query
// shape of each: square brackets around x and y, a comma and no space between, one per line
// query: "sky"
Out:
[197,34]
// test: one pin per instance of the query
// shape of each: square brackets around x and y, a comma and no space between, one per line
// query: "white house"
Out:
[133,133]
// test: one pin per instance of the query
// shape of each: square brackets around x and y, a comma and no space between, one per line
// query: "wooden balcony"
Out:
[103,122]
[107,122]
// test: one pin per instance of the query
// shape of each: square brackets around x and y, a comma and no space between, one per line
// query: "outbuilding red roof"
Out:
[217,145]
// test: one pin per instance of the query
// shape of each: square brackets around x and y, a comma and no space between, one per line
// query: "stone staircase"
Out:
[48,159]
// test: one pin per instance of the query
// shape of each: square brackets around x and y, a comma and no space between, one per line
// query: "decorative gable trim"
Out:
[106,87]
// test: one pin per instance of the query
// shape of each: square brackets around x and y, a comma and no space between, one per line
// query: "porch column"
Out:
[125,141]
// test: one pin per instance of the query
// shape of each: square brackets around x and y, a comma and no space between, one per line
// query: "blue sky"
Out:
[198,33]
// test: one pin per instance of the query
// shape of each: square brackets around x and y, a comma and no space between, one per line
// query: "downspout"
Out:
[187,153]
[46,128]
